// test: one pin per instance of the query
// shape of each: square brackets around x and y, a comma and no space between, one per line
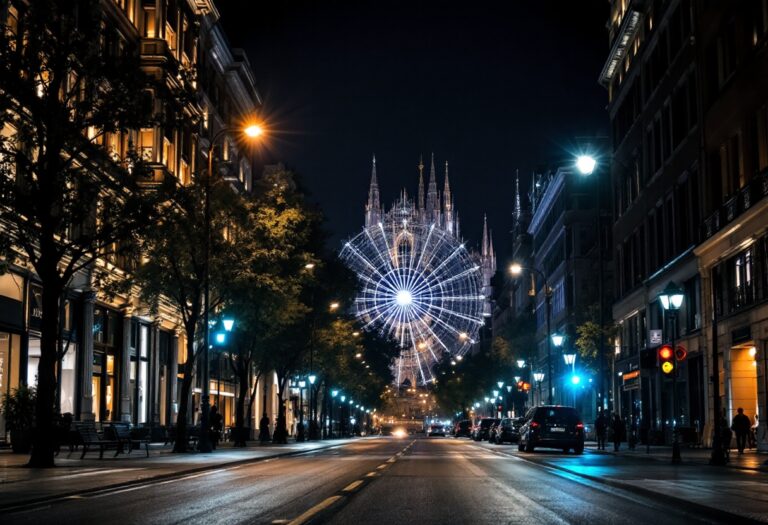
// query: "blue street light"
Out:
[575,379]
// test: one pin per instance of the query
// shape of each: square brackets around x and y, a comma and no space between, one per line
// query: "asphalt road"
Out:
[373,481]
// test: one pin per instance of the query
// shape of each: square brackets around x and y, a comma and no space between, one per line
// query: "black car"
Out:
[508,430]
[436,430]
[463,429]
[482,430]
[552,426]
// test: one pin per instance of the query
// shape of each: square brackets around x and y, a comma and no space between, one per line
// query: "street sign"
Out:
[654,336]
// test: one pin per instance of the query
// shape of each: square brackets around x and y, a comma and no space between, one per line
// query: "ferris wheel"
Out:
[419,284]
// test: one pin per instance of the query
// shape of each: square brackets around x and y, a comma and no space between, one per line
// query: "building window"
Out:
[146,144]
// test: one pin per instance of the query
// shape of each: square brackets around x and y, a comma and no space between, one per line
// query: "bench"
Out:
[193,435]
[122,432]
[86,431]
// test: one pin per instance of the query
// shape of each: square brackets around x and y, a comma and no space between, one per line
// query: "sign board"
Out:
[654,337]
[631,380]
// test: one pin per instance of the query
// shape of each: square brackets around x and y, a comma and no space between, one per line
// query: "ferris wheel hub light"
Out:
[403,298]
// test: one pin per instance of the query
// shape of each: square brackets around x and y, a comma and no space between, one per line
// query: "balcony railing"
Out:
[740,202]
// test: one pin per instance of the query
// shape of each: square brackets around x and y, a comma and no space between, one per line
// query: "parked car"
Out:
[463,429]
[436,430]
[552,426]
[482,429]
[508,430]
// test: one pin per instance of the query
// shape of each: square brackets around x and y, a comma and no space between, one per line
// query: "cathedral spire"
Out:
[447,203]
[518,213]
[433,202]
[484,247]
[373,208]
[420,203]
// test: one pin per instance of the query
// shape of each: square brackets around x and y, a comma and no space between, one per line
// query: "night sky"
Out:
[491,87]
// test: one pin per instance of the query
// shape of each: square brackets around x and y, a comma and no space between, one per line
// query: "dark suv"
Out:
[507,430]
[482,430]
[463,428]
[552,427]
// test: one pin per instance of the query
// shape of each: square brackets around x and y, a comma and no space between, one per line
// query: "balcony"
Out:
[741,201]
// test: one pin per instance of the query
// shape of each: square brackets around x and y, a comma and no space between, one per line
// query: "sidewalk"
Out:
[750,460]
[22,485]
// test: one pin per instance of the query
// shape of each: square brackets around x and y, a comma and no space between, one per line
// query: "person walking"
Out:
[741,426]
[264,429]
[217,425]
[618,432]
[601,430]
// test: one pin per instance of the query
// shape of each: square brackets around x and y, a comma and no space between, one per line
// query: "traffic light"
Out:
[667,359]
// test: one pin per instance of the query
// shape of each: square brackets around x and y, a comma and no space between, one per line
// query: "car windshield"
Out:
[557,415]
[486,423]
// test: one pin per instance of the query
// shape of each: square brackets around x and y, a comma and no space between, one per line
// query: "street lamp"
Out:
[334,393]
[312,416]
[516,269]
[671,300]
[521,363]
[252,131]
[500,384]
[570,360]
[586,165]
[538,377]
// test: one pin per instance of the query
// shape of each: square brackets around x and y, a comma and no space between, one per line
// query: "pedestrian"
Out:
[741,426]
[601,430]
[725,438]
[217,425]
[264,429]
[618,432]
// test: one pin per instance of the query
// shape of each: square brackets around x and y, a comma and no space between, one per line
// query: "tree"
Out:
[588,341]
[66,200]
[174,268]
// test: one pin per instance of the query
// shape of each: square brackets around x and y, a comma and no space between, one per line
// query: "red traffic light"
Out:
[681,353]
[665,352]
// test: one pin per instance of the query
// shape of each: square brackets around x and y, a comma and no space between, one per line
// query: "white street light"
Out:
[586,164]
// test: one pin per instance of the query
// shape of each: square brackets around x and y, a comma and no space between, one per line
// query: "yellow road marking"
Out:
[314,510]
[352,486]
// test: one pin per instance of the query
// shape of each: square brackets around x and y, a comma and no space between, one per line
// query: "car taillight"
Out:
[580,426]
[534,425]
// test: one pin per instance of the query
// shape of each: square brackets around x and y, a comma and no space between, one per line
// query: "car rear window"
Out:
[558,415]
[486,423]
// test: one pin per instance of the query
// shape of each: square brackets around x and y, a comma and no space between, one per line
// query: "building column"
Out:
[125,368]
[173,380]
[86,391]
[154,373]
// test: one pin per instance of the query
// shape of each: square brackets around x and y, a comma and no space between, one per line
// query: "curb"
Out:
[761,468]
[154,479]
[691,506]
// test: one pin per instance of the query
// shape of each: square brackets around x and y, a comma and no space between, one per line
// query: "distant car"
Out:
[552,426]
[399,432]
[436,430]
[481,431]
[508,430]
[463,429]
[386,430]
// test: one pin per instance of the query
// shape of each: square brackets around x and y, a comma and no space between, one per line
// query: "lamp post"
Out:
[334,393]
[586,165]
[570,359]
[557,340]
[312,416]
[516,269]
[538,377]
[671,300]
[718,453]
[253,131]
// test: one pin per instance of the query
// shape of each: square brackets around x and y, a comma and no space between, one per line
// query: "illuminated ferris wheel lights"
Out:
[403,298]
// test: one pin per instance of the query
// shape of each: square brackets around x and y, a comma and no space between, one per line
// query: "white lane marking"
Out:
[306,516]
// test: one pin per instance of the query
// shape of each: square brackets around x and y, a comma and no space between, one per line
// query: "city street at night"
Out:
[424,480]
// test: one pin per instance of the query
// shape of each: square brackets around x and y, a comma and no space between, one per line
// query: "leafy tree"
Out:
[588,340]
[66,200]
[174,268]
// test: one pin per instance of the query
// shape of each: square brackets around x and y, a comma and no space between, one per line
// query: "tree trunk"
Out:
[242,370]
[281,430]
[42,443]
[180,445]
[252,399]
